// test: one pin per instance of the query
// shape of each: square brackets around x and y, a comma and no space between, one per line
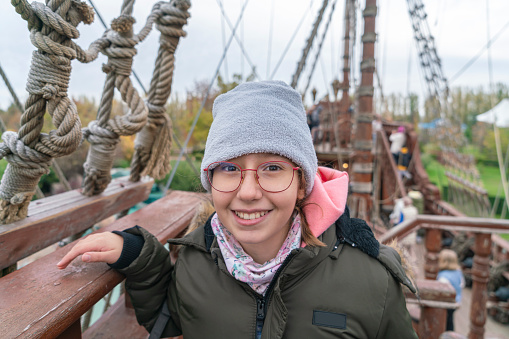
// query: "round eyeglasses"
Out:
[272,176]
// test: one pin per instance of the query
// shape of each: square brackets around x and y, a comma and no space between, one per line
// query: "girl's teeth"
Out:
[250,216]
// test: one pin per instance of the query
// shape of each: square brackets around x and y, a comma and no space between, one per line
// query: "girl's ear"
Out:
[301,193]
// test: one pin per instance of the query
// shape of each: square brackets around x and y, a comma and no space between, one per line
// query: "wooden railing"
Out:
[54,218]
[41,301]
[482,228]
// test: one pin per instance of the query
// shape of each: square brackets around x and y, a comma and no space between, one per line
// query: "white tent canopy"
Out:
[498,114]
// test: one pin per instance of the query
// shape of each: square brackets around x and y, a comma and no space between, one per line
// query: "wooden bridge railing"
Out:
[41,301]
[483,229]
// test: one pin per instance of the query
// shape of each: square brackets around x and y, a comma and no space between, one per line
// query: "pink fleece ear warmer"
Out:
[327,201]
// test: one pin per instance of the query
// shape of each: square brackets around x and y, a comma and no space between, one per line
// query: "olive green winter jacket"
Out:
[349,289]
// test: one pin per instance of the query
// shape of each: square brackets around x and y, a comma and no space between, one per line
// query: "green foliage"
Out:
[185,178]
[237,80]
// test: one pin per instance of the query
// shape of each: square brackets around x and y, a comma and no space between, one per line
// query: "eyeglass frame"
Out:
[208,170]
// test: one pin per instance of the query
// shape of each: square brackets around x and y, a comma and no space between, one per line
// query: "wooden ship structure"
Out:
[39,301]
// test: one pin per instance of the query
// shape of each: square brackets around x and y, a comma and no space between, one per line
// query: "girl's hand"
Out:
[103,247]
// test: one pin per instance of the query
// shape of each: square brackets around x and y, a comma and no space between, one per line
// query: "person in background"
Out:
[449,271]
[376,125]
[280,257]
[398,140]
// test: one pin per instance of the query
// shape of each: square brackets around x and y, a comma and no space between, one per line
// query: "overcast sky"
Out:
[459,26]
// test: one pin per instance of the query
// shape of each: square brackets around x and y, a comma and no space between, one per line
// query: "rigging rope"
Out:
[290,41]
[172,174]
[30,152]
[271,31]
[498,145]
[104,133]
[317,55]
[478,55]
[309,43]
[241,45]
[153,142]
[58,171]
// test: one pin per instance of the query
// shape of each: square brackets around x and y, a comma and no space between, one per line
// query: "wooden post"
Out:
[433,245]
[432,322]
[480,277]
[72,332]
[361,183]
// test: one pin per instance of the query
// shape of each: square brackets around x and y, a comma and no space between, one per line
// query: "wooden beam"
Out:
[118,322]
[41,301]
[56,217]
[442,222]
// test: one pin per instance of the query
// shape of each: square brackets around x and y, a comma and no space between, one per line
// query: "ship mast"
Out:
[362,169]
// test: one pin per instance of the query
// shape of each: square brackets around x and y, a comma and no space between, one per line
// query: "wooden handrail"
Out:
[56,217]
[41,301]
[482,228]
[434,298]
[442,222]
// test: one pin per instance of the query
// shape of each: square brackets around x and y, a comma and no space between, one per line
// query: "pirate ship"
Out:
[38,300]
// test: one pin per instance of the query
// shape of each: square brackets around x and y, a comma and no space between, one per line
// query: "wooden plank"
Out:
[39,300]
[118,322]
[57,217]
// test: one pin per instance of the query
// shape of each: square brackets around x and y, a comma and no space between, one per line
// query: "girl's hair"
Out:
[448,260]
[307,236]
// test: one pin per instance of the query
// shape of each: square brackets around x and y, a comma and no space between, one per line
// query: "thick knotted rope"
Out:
[104,133]
[153,142]
[29,153]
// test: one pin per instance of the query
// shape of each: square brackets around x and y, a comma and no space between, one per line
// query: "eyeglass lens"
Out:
[273,176]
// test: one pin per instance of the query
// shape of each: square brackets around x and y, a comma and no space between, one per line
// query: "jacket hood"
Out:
[327,201]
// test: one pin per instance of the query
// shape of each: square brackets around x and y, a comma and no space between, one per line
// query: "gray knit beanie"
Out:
[260,117]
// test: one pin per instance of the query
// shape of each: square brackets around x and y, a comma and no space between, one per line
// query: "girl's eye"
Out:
[228,168]
[272,167]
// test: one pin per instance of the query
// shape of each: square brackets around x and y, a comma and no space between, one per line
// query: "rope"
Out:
[104,133]
[299,25]
[172,174]
[153,142]
[29,152]
[319,49]
[239,42]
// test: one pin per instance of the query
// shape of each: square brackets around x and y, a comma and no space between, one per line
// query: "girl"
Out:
[280,258]
[449,271]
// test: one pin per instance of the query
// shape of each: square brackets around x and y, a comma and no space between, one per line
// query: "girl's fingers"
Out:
[96,243]
[109,257]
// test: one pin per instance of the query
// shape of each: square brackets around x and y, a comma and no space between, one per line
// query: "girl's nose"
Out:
[249,188]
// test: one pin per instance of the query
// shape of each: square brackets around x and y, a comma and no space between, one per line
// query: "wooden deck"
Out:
[493,329]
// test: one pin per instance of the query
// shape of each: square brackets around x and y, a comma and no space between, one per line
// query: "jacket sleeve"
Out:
[148,282]
[396,321]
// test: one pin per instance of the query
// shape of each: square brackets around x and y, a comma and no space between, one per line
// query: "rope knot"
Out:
[107,68]
[20,198]
[85,11]
[50,91]
[123,24]
[183,5]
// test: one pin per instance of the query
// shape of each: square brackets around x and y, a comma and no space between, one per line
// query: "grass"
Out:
[491,179]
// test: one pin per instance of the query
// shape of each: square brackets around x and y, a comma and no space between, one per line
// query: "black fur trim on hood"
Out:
[357,233]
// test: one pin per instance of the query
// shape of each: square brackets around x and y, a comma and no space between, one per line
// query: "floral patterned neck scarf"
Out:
[242,266]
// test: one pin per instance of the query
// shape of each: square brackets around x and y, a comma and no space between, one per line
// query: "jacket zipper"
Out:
[262,302]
